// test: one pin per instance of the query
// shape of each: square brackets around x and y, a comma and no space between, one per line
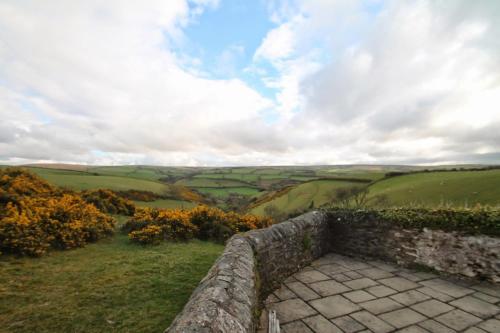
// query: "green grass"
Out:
[110,286]
[441,188]
[166,203]
[224,192]
[129,171]
[301,196]
[247,177]
[83,181]
[208,182]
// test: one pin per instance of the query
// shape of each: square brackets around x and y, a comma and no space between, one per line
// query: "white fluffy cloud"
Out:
[89,81]
[417,81]
[358,81]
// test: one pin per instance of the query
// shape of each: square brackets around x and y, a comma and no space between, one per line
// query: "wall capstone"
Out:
[226,299]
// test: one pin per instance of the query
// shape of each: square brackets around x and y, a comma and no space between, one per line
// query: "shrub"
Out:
[151,234]
[108,202]
[35,216]
[480,220]
[174,224]
[139,195]
[202,222]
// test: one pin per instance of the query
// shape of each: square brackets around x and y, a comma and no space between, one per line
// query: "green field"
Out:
[166,203]
[458,188]
[224,192]
[209,182]
[301,196]
[246,177]
[441,188]
[128,171]
[84,181]
[109,286]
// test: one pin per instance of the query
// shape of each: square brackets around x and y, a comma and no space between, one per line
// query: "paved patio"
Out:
[340,294]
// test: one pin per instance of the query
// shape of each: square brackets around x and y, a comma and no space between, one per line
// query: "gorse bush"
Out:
[36,216]
[108,202]
[150,225]
[479,220]
[139,195]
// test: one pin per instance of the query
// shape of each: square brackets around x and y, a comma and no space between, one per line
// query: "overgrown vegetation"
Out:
[152,226]
[108,202]
[139,195]
[36,216]
[480,220]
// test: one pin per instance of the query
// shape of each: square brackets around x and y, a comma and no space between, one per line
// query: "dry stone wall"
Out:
[229,298]
[476,256]
[253,264]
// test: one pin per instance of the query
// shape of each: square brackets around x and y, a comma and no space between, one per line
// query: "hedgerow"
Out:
[150,225]
[108,202]
[480,220]
[139,195]
[36,216]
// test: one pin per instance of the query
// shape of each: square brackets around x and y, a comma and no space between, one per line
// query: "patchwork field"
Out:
[307,185]
[224,192]
[77,180]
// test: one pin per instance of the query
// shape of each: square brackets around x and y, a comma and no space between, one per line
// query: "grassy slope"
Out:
[300,197]
[166,203]
[225,191]
[433,189]
[110,286]
[209,182]
[83,181]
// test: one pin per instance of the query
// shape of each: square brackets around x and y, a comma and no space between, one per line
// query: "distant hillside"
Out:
[457,188]
[258,187]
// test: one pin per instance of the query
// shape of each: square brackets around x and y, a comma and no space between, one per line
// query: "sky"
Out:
[238,82]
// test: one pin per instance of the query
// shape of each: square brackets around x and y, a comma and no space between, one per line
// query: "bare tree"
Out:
[359,195]
[273,212]
[349,196]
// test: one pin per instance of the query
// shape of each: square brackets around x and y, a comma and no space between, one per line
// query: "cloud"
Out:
[278,43]
[103,77]
[389,90]
[355,82]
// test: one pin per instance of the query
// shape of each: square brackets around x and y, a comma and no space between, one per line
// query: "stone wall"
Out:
[450,252]
[284,248]
[251,266]
[226,299]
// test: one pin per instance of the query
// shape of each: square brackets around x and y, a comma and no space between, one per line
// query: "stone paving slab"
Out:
[320,324]
[410,297]
[348,324]
[339,294]
[334,306]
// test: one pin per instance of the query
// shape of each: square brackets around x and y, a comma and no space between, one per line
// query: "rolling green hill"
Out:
[79,180]
[210,182]
[441,188]
[433,188]
[225,191]
[300,197]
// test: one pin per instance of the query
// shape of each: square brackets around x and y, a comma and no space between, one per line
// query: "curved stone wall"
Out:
[254,264]
[251,266]
[473,256]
